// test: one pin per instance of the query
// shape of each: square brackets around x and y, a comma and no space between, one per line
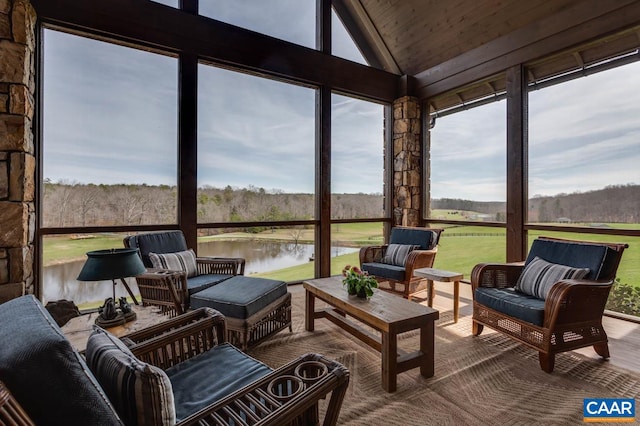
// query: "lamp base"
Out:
[120,319]
[112,316]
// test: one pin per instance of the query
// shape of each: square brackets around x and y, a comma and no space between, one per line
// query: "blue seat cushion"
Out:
[512,303]
[210,376]
[201,282]
[384,270]
[425,238]
[239,296]
[571,254]
[157,242]
[45,374]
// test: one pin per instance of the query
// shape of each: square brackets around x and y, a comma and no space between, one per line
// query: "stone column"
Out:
[407,147]
[17,161]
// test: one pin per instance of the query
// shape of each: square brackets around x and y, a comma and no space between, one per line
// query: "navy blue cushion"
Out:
[210,376]
[512,303]
[157,242]
[413,236]
[44,373]
[384,270]
[240,296]
[201,282]
[571,254]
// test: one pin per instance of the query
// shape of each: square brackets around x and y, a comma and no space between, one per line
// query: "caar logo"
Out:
[609,410]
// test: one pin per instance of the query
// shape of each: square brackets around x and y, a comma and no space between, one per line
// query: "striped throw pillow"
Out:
[397,254]
[179,261]
[539,276]
[141,393]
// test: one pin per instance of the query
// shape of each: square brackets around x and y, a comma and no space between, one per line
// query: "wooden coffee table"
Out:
[384,312]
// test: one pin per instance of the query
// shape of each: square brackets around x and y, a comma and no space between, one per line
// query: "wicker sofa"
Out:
[554,302]
[178,372]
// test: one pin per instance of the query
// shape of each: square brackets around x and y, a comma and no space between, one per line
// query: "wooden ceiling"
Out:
[448,44]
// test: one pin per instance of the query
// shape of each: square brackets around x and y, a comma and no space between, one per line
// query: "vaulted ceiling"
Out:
[447,44]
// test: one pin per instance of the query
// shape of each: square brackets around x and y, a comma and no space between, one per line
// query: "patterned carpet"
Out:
[486,380]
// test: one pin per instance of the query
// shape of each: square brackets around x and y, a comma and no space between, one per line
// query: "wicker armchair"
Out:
[286,396]
[398,278]
[171,290]
[571,315]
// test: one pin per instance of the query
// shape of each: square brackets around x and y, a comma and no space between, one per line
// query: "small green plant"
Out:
[625,299]
[358,282]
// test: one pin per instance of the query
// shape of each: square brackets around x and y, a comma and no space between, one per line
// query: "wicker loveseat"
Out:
[554,302]
[255,308]
[167,292]
[178,372]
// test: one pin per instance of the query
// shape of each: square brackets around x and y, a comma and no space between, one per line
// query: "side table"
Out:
[440,275]
[78,329]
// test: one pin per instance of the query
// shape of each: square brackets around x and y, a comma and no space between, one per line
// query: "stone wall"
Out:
[17,161]
[407,146]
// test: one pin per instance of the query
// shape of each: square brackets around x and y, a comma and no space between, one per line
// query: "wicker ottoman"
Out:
[255,308]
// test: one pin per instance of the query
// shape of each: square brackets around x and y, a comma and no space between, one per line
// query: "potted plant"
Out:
[358,282]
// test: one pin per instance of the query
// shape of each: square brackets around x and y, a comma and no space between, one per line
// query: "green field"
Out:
[460,248]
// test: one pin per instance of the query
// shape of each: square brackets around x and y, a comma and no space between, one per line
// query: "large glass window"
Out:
[342,44]
[256,148]
[290,20]
[467,173]
[468,164]
[110,137]
[256,163]
[357,177]
[584,151]
[357,158]
[109,151]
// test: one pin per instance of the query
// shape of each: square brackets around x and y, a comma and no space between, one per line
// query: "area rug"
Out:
[485,380]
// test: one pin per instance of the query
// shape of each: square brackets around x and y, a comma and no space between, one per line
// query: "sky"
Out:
[110,116]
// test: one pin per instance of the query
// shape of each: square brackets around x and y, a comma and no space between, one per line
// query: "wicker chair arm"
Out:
[498,275]
[171,342]
[220,265]
[419,259]
[165,284]
[576,301]
[372,253]
[303,382]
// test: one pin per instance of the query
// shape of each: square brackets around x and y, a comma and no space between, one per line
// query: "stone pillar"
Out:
[407,148]
[17,161]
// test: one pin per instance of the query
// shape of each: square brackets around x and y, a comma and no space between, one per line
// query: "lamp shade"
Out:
[111,264]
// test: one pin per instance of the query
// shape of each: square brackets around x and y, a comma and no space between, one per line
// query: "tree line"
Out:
[611,204]
[77,204]
[70,204]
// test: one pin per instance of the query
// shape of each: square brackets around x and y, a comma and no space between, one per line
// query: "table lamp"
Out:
[112,264]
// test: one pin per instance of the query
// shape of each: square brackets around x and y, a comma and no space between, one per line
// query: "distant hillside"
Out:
[612,204]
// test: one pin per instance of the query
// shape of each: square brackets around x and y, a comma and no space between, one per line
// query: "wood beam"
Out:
[586,20]
[323,183]
[188,148]
[154,25]
[323,26]
[517,148]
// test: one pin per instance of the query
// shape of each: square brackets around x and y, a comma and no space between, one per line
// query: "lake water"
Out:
[261,256]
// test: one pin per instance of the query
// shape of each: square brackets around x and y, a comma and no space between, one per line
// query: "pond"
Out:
[261,256]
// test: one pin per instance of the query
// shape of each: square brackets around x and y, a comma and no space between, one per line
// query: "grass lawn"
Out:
[460,248]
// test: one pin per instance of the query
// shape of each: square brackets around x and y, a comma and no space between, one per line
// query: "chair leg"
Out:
[547,361]
[476,328]
[602,349]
